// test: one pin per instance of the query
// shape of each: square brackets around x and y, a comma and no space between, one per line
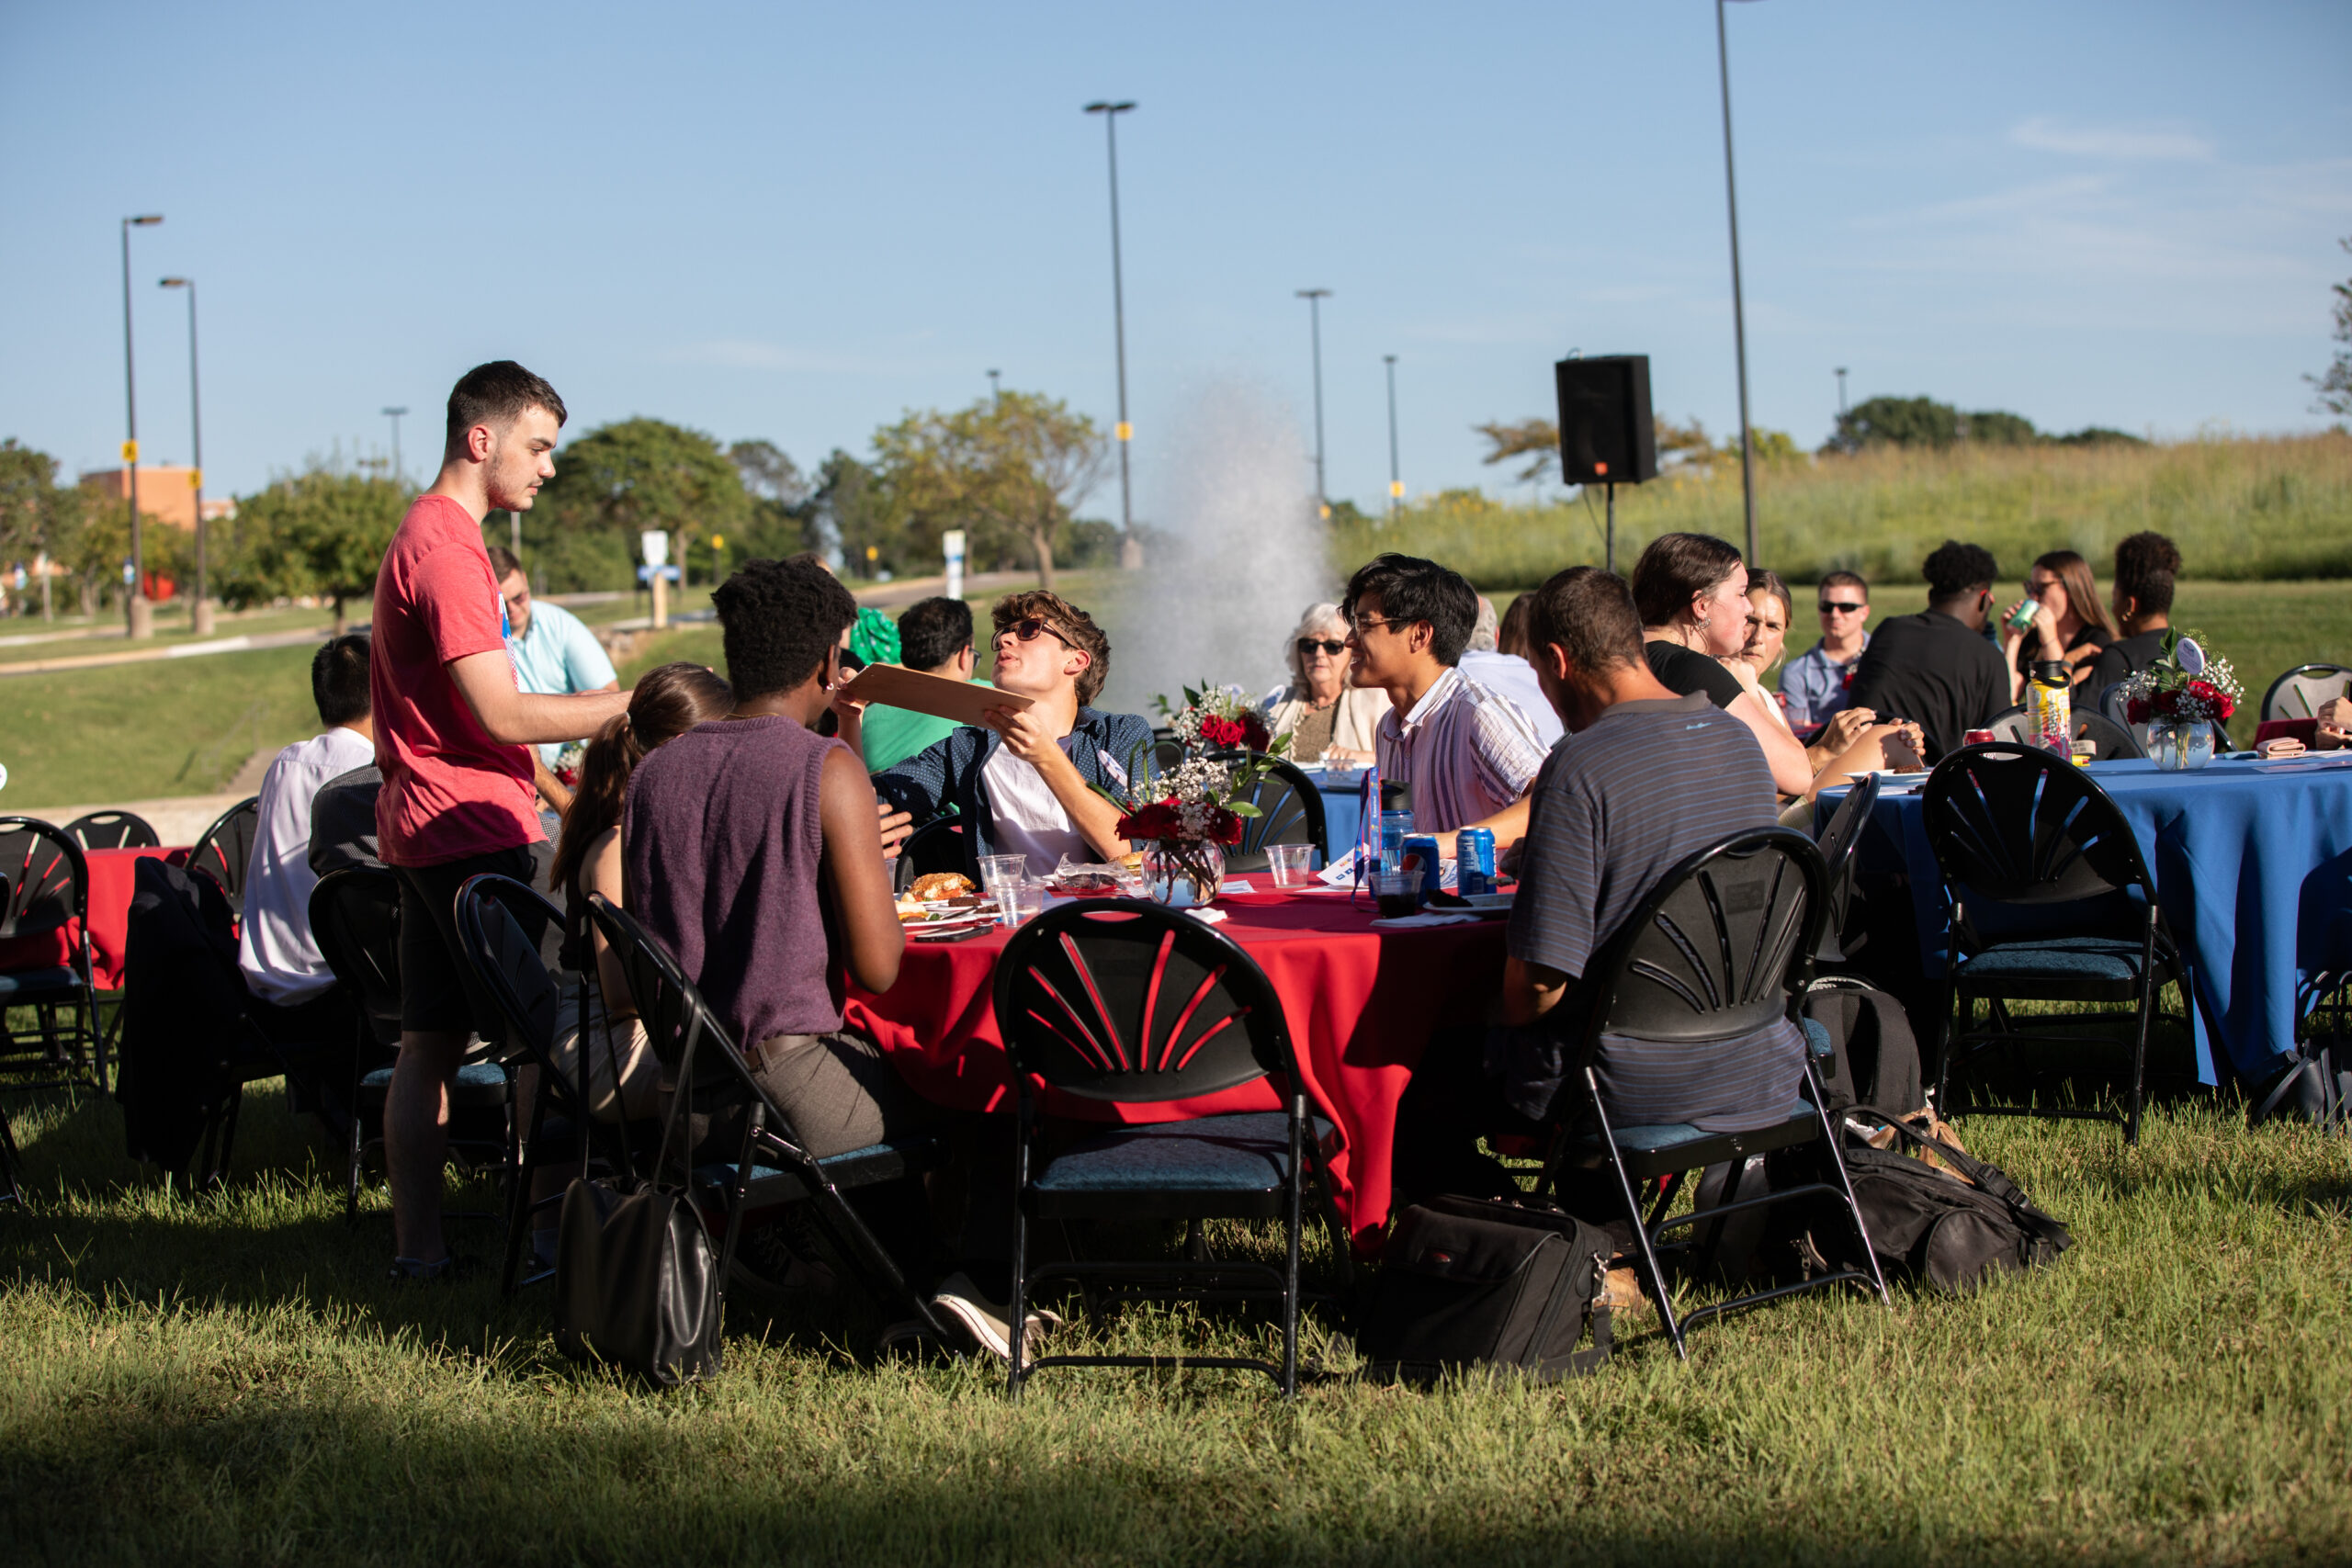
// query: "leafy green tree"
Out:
[782,519]
[320,533]
[1998,427]
[1896,421]
[851,511]
[1007,470]
[2098,435]
[2335,385]
[1539,440]
[622,478]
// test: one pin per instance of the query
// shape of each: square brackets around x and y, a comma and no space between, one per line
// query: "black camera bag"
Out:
[1465,1282]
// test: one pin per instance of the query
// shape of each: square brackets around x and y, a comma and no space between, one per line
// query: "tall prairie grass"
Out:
[2240,508]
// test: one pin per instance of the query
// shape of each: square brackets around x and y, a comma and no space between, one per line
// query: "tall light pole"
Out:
[996,388]
[400,475]
[139,616]
[1841,391]
[200,612]
[1738,316]
[1129,554]
[1314,298]
[1395,482]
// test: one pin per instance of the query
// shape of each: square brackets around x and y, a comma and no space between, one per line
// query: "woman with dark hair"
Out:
[2147,567]
[620,1078]
[2069,626]
[1691,591]
[1845,743]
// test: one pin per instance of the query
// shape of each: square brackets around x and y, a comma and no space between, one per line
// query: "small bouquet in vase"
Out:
[1219,718]
[1182,821]
[2183,696]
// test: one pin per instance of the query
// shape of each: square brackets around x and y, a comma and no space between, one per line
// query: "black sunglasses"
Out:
[1031,629]
[1308,645]
[1828,605]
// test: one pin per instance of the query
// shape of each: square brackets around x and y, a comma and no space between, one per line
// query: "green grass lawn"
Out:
[229,1380]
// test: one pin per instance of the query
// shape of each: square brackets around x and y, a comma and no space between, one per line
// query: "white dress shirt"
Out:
[1509,675]
[281,960]
[1030,820]
[1466,751]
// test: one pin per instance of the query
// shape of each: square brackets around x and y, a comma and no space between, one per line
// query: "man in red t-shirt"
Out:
[452,737]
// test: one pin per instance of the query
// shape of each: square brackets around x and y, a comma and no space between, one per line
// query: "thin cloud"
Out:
[2047,135]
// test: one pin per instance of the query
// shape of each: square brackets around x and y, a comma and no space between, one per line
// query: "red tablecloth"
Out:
[111,890]
[1361,1004]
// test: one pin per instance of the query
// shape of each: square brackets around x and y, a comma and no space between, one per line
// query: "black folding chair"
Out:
[113,831]
[506,964]
[1721,948]
[47,883]
[2049,900]
[1841,837]
[223,851]
[1123,1001]
[2299,693]
[937,845]
[1290,812]
[1167,751]
[772,1167]
[355,918]
[2112,738]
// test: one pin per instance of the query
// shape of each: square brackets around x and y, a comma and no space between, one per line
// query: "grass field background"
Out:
[229,1380]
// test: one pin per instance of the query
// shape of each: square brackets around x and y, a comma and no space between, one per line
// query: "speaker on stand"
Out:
[1606,434]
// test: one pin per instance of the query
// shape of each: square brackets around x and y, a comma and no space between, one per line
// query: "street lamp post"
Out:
[1841,391]
[400,475]
[1395,482]
[1130,554]
[995,388]
[139,616]
[1738,317]
[200,610]
[1314,298]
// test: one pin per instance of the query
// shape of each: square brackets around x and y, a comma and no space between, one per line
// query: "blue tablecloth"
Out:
[1342,807]
[2252,867]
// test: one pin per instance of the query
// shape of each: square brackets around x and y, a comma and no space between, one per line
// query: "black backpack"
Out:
[1929,1226]
[1465,1282]
[1877,1060]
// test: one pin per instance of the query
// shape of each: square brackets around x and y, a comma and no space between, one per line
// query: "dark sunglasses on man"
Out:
[1033,628]
[1833,606]
[1332,646]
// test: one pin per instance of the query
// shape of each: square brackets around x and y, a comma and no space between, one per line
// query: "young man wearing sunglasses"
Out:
[1025,784]
[1813,685]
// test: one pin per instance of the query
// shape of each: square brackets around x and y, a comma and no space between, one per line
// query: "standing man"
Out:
[1468,753]
[555,655]
[452,733]
[1937,668]
[1813,685]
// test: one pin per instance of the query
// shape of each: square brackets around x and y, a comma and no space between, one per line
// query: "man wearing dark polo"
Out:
[1936,667]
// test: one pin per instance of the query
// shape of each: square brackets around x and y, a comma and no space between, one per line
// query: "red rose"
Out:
[1223,826]
[2217,702]
[1160,819]
[2137,710]
[1254,733]
[1222,732]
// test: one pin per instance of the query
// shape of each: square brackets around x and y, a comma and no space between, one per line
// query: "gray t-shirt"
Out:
[1617,808]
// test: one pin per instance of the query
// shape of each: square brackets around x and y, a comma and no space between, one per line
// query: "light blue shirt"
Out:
[557,655]
[1813,685]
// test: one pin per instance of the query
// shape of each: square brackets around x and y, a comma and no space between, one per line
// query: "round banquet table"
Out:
[1361,1003]
[2252,867]
[111,890]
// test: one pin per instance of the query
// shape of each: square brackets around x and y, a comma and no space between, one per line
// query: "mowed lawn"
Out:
[229,1380]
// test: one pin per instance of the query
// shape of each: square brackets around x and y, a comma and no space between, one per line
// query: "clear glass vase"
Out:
[1183,874]
[2179,745]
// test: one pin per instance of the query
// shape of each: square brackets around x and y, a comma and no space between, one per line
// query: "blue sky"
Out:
[796,221]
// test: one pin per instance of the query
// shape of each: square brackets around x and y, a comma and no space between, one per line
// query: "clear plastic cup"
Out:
[1288,864]
[995,869]
[1018,900]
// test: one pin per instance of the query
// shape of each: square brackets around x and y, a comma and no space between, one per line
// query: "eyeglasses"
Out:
[1364,622]
[1831,607]
[1308,645]
[1031,629]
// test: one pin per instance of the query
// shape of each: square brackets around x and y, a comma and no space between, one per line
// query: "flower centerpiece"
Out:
[1217,718]
[2183,696]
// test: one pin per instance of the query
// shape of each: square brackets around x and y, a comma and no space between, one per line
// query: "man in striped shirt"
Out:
[1468,753]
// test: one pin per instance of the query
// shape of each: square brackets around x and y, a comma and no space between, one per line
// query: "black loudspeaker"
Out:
[1606,435]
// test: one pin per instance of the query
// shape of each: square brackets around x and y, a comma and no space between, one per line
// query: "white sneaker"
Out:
[985,1321]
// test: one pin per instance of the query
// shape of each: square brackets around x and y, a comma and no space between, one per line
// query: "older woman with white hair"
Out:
[1319,711]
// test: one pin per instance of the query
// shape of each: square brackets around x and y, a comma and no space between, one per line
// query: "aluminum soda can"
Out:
[1474,858]
[1424,845]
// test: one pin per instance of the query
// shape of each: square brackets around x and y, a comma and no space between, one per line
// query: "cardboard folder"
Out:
[963,701]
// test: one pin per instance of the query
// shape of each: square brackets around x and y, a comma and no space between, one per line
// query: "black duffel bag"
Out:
[1929,1226]
[1465,1282]
[637,1283]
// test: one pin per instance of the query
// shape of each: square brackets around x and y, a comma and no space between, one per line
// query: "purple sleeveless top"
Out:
[720,839]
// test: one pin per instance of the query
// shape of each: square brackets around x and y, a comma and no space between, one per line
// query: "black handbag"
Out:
[1469,1283]
[637,1283]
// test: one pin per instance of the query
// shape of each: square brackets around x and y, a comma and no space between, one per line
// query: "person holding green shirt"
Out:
[935,638]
